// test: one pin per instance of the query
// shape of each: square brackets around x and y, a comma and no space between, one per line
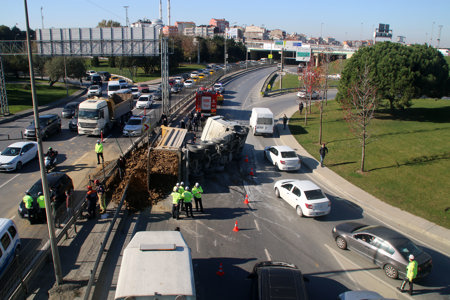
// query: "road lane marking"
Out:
[8,181]
[256,225]
[267,254]
[335,254]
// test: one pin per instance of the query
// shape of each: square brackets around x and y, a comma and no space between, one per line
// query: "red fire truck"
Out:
[206,102]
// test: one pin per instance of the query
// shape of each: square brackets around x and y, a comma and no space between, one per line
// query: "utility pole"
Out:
[439,36]
[42,17]
[50,220]
[431,36]
[127,22]
[226,54]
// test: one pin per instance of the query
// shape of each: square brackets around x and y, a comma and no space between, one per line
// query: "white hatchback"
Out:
[304,195]
[283,157]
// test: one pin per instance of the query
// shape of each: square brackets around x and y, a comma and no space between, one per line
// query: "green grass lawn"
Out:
[19,95]
[291,81]
[407,158]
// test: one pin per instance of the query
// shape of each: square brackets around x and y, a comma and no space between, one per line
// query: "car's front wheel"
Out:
[390,271]
[277,192]
[341,243]
[19,166]
[299,211]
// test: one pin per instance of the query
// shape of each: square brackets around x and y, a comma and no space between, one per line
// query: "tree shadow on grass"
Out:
[420,114]
[416,161]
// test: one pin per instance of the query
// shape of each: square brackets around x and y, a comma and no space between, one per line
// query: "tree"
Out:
[359,107]
[311,81]
[109,23]
[54,68]
[399,72]
[95,62]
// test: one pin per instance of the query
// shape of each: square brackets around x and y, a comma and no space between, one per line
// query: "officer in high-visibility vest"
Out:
[99,151]
[175,203]
[28,200]
[41,203]
[187,199]
[411,274]
[198,191]
[181,191]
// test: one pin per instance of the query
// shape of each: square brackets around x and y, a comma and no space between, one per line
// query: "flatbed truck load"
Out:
[156,265]
[99,114]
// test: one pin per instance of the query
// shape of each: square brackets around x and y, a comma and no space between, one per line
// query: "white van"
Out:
[262,121]
[9,245]
[113,87]
[156,265]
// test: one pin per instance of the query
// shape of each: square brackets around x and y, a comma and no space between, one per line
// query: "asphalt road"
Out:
[270,228]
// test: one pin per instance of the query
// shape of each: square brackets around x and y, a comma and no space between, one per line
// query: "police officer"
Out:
[181,191]
[41,203]
[187,199]
[411,274]
[175,203]
[197,191]
[28,200]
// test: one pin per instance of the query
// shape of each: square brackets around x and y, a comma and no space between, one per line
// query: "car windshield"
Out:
[408,248]
[264,121]
[88,114]
[143,99]
[11,151]
[134,122]
[134,89]
[288,154]
[314,195]
[114,87]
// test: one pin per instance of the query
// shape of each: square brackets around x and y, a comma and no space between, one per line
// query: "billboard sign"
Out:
[303,54]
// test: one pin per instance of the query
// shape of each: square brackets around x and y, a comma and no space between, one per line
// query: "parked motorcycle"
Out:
[50,163]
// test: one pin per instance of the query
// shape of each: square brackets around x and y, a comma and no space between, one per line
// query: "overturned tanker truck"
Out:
[221,142]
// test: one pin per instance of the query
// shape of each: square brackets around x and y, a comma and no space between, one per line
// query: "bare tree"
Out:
[359,107]
[311,81]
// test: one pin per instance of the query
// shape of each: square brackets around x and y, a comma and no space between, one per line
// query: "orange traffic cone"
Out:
[220,272]
[246,158]
[251,172]
[246,199]
[236,228]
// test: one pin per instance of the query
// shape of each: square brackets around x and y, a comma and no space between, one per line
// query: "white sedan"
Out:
[304,195]
[305,95]
[188,83]
[144,101]
[283,157]
[136,126]
[17,154]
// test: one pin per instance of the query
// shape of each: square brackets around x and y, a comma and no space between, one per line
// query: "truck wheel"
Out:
[195,148]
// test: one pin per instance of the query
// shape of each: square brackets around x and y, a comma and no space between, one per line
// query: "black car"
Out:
[384,247]
[105,75]
[48,124]
[69,109]
[277,280]
[58,184]
[96,79]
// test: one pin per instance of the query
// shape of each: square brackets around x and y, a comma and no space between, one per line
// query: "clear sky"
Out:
[417,20]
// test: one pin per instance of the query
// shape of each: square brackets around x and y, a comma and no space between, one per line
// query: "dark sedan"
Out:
[385,247]
[69,109]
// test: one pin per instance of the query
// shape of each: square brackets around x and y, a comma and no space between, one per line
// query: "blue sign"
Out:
[297,44]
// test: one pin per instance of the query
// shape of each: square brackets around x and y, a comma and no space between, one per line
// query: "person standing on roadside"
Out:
[285,119]
[175,203]
[187,199]
[99,151]
[181,191]
[411,274]
[197,191]
[300,107]
[322,151]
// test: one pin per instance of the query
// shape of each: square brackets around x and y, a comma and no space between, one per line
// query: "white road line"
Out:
[9,181]
[256,225]
[342,266]
[71,140]
[267,254]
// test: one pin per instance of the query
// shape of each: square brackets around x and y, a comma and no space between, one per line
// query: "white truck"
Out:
[97,115]
[156,265]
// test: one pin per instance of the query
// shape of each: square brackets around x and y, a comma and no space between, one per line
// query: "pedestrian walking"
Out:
[175,203]
[198,191]
[300,107]
[99,151]
[187,199]
[91,199]
[411,274]
[322,151]
[101,193]
[285,119]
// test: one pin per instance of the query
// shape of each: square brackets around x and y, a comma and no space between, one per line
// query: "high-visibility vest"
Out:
[41,201]
[181,191]
[187,197]
[98,148]
[411,270]
[197,191]
[28,200]
[175,197]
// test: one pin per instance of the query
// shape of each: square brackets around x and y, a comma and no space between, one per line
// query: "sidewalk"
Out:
[391,215]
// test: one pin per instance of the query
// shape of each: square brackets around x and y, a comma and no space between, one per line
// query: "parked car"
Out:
[136,126]
[58,184]
[277,280]
[283,157]
[94,90]
[218,87]
[144,101]
[69,109]
[304,95]
[17,154]
[10,244]
[188,83]
[383,246]
[303,195]
[135,92]
[49,124]
[144,88]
